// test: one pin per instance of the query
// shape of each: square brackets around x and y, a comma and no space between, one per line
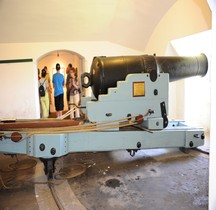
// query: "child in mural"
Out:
[75,91]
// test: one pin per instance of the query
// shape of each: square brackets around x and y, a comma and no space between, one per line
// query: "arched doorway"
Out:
[63,57]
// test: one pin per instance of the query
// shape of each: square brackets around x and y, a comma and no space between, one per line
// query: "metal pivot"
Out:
[49,166]
[132,152]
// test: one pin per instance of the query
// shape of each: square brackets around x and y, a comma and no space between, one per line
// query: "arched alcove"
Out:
[63,57]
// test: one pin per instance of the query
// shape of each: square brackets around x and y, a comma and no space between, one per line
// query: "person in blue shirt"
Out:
[58,84]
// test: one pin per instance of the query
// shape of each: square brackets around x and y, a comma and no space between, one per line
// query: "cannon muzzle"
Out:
[183,67]
[106,71]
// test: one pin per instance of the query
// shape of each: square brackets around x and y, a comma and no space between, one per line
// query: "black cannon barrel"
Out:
[183,67]
[106,71]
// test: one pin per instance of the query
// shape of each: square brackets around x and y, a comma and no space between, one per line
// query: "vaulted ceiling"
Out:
[126,22]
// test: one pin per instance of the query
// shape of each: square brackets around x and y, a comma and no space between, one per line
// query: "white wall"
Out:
[184,18]
[28,104]
[18,94]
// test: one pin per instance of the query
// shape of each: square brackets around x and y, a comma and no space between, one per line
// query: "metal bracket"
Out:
[164,114]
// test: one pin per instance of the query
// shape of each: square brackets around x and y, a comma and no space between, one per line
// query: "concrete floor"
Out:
[159,179]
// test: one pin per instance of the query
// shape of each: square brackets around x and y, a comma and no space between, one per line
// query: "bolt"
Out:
[128,116]
[139,144]
[42,147]
[53,151]
[191,144]
[155,92]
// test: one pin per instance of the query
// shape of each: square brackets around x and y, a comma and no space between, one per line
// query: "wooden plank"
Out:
[38,124]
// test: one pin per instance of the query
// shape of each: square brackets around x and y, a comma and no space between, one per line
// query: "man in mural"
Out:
[58,83]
